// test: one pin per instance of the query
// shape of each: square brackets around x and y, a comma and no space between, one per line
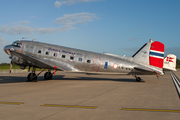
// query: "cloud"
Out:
[3,42]
[67,22]
[16,30]
[77,18]
[22,22]
[70,2]
[57,4]
[54,30]
[32,16]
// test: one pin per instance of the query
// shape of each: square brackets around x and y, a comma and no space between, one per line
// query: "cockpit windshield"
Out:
[15,44]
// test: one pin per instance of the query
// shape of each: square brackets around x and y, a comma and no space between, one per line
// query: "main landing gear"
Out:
[32,77]
[48,75]
[138,79]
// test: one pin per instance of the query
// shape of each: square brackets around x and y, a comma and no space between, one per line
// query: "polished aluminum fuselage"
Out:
[75,60]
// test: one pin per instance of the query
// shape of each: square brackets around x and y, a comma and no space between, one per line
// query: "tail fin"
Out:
[170,63]
[152,53]
[156,55]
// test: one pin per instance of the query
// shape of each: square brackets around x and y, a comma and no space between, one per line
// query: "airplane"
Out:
[170,63]
[148,60]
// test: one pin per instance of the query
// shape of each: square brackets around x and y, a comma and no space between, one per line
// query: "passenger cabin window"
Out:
[47,53]
[71,57]
[39,51]
[63,56]
[80,59]
[88,61]
[55,54]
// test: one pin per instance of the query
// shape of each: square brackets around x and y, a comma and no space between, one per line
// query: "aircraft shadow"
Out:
[12,79]
[95,79]
[16,79]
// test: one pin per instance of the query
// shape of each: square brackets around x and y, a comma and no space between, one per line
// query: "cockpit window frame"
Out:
[16,44]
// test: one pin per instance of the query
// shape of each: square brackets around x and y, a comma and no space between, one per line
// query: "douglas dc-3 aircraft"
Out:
[148,60]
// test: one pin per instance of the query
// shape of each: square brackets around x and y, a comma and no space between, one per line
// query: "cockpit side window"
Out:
[16,44]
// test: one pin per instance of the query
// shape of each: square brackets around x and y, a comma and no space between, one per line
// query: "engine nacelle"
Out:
[18,61]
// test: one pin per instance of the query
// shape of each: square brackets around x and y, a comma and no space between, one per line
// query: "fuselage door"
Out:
[96,64]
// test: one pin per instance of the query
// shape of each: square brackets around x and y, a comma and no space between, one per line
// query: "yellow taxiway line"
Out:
[14,103]
[69,106]
[151,110]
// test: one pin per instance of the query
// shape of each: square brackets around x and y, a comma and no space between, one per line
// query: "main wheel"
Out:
[31,78]
[138,79]
[48,76]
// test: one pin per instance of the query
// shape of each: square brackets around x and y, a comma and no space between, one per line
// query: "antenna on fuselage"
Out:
[150,40]
[23,38]
[33,39]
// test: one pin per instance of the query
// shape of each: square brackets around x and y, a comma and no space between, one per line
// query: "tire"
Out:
[48,76]
[31,78]
[138,79]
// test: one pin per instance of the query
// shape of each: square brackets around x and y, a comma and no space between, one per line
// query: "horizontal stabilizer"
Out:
[170,63]
[149,70]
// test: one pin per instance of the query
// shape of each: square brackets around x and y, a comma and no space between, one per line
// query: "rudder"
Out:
[156,55]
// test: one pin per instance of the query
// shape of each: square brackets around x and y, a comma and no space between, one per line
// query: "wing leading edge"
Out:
[34,61]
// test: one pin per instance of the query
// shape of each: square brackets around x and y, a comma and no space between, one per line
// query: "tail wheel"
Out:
[138,79]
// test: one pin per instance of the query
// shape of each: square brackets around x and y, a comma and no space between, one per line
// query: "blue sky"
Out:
[115,26]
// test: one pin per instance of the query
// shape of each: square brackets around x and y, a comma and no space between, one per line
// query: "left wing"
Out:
[47,64]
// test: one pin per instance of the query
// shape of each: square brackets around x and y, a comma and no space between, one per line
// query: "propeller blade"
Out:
[10,67]
[8,53]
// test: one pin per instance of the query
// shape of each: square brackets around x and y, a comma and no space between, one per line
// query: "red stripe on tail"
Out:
[158,46]
[157,62]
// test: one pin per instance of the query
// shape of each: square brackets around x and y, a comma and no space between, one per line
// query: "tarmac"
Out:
[88,97]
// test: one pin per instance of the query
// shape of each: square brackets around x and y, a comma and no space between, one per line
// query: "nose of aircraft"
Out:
[6,49]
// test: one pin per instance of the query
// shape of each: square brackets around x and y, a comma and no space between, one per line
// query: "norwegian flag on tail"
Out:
[156,55]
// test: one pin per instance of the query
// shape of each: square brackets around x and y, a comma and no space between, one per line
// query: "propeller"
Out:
[10,67]
[10,57]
